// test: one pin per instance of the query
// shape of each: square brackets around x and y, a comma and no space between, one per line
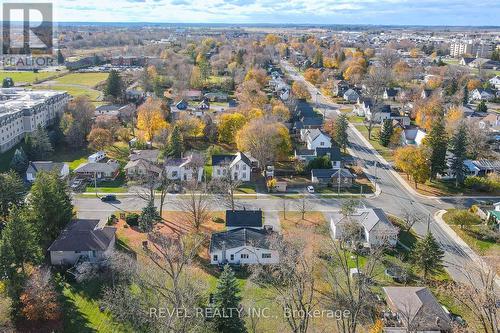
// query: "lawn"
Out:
[114,186]
[81,311]
[74,157]
[84,79]
[247,188]
[74,91]
[385,152]
[469,235]
[26,77]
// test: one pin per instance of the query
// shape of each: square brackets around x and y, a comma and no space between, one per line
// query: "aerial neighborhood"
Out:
[293,170]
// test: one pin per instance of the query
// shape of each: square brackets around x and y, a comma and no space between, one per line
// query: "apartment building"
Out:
[21,111]
[475,49]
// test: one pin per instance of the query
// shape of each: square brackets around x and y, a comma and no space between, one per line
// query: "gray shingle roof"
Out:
[47,166]
[420,306]
[244,218]
[240,237]
[82,235]
[367,217]
[108,167]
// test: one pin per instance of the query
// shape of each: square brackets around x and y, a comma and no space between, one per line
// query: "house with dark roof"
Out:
[333,153]
[83,239]
[414,309]
[243,219]
[375,229]
[62,169]
[391,93]
[332,177]
[239,166]
[351,95]
[243,246]
[99,170]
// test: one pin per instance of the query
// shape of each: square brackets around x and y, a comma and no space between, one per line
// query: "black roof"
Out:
[304,109]
[244,218]
[240,237]
[221,159]
[82,235]
[391,92]
[329,173]
[334,153]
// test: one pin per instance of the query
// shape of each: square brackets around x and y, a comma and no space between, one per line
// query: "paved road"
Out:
[394,197]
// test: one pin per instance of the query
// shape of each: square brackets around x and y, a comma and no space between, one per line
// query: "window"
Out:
[237,166]
[216,257]
[266,255]
[231,257]
[77,252]
[244,167]
[174,173]
[321,143]
[244,256]
[244,175]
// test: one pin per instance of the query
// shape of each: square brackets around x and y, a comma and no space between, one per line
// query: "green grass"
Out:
[85,79]
[114,186]
[81,312]
[356,119]
[73,157]
[26,77]
[385,152]
[74,91]
[247,188]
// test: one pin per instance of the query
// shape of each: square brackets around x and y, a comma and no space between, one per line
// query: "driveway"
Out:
[271,218]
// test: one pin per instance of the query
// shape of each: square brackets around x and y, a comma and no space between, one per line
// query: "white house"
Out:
[97,157]
[183,169]
[48,166]
[495,81]
[412,136]
[315,138]
[82,240]
[480,94]
[242,246]
[374,226]
[238,165]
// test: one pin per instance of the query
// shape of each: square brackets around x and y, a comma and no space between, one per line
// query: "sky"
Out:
[377,12]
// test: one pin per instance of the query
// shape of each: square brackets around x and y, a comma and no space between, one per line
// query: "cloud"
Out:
[396,12]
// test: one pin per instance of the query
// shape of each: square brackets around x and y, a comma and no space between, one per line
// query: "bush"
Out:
[482,184]
[132,219]
[487,234]
[216,219]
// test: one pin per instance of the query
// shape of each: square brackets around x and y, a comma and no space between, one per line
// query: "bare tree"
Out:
[304,205]
[347,290]
[410,218]
[195,204]
[292,281]
[376,81]
[479,295]
[388,58]
[226,186]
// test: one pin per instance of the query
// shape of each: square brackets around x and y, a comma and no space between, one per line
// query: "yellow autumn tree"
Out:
[190,126]
[473,84]
[271,39]
[300,91]
[414,162]
[229,124]
[280,110]
[313,75]
[257,74]
[453,118]
[427,111]
[150,118]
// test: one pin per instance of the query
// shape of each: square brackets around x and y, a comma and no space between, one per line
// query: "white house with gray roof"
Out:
[62,169]
[315,138]
[375,227]
[239,165]
[243,246]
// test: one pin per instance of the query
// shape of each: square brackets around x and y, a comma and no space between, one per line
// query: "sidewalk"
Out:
[438,217]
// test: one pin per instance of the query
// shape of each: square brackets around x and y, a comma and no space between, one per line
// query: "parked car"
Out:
[108,198]
[77,184]
[310,189]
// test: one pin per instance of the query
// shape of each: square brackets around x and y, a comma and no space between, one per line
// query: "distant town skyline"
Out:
[370,12]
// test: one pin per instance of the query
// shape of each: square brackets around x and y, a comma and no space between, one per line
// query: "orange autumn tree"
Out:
[150,118]
[427,111]
[39,298]
[313,75]
[453,118]
[300,91]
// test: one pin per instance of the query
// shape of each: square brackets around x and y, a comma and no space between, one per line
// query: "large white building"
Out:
[21,111]
[474,49]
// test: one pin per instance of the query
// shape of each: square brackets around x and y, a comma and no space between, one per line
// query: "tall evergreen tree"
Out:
[19,162]
[19,244]
[11,193]
[175,143]
[340,131]
[227,301]
[428,256]
[60,58]
[465,98]
[458,146]
[114,85]
[38,144]
[437,142]
[481,107]
[149,217]
[386,133]
[50,200]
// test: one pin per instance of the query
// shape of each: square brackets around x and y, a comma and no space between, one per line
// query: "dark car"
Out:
[108,198]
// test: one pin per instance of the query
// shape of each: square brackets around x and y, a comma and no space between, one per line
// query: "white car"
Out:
[310,189]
